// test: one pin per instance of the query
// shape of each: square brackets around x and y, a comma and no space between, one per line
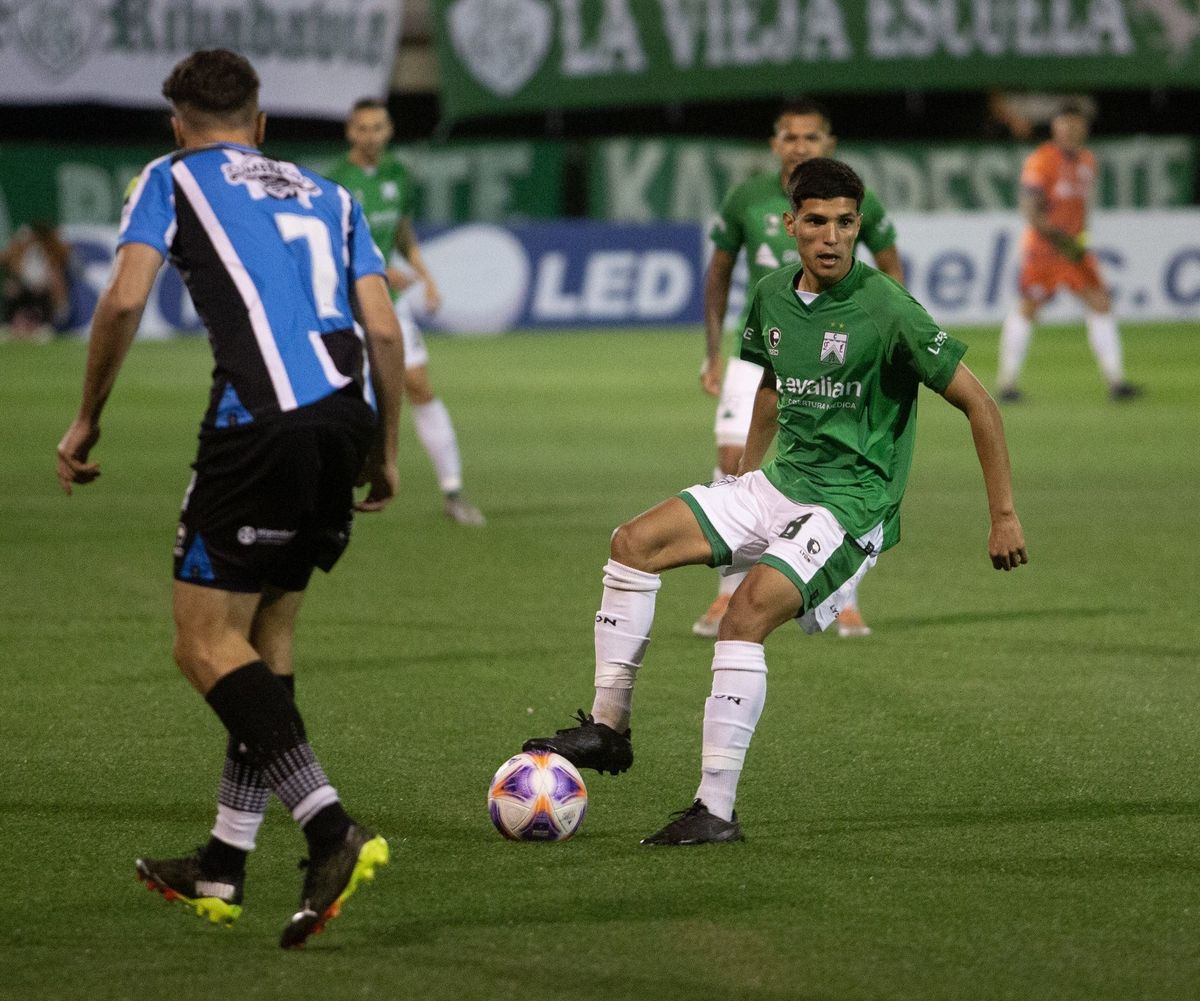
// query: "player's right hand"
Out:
[382,479]
[710,376]
[72,454]
[1006,543]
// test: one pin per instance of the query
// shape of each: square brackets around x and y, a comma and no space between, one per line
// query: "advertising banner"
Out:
[73,184]
[531,55]
[313,58]
[962,267]
[643,179]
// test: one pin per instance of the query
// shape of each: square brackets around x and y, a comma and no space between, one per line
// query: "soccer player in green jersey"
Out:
[843,351]
[381,183]
[751,217]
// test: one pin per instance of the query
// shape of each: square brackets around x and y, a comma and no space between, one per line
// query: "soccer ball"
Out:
[537,796]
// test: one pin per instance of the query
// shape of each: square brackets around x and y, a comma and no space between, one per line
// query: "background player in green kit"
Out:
[843,350]
[752,217]
[381,183]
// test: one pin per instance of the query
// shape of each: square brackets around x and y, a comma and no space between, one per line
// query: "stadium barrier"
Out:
[587,274]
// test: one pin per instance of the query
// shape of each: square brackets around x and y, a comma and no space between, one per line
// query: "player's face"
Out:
[1069,132]
[824,230]
[368,131]
[800,137]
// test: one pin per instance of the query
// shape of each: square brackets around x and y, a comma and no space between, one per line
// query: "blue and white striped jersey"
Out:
[270,253]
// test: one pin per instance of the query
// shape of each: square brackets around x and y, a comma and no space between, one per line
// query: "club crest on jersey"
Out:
[833,348]
[264,177]
[773,338]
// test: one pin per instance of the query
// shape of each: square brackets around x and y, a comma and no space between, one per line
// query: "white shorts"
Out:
[416,355]
[747,521]
[736,404]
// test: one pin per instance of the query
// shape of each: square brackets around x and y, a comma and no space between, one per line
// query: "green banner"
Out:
[643,179]
[498,182]
[530,55]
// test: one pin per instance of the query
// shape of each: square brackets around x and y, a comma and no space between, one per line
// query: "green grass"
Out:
[995,796]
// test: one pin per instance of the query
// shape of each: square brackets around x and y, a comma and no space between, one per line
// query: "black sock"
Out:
[243,787]
[327,830]
[258,712]
[217,859]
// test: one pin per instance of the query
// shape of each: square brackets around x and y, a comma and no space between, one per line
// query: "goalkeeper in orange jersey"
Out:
[1056,186]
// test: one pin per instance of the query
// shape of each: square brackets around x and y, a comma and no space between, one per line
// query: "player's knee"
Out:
[417,386]
[631,545]
[749,617]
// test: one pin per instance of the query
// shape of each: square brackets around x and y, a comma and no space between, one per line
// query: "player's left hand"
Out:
[1006,543]
[433,298]
[382,480]
[73,450]
[710,375]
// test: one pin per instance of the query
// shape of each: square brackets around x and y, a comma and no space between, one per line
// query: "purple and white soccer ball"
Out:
[537,796]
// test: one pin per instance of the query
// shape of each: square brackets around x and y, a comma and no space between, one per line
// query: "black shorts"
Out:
[272,499]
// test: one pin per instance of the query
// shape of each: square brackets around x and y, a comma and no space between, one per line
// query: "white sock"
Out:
[1105,342]
[622,635]
[436,431]
[729,582]
[1015,336]
[852,595]
[731,713]
[238,828]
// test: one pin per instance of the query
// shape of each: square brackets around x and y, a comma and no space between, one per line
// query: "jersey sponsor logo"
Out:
[390,190]
[264,177]
[771,223]
[248,535]
[774,336]
[833,348]
[765,257]
[823,387]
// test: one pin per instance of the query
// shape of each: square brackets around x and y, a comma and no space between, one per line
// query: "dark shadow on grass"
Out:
[1042,813]
[103,810]
[911,623]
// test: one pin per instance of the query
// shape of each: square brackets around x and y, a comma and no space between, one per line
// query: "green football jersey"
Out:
[751,216]
[386,195]
[847,369]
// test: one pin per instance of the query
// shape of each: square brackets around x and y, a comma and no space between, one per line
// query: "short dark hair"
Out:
[1073,108]
[368,104]
[824,178]
[803,106]
[214,83]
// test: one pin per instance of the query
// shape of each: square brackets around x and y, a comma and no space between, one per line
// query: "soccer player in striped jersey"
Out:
[305,403]
[751,217]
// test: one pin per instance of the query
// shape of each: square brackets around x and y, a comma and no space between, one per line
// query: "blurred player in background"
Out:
[751,216]
[842,352]
[1056,187]
[381,183]
[274,256]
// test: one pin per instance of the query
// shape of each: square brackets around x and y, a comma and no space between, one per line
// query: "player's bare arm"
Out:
[118,312]
[385,347]
[410,248]
[888,261]
[764,422]
[716,299]
[1006,540]
[1033,208]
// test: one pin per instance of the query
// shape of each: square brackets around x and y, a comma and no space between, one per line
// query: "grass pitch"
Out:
[994,796]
